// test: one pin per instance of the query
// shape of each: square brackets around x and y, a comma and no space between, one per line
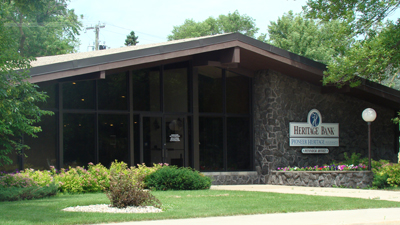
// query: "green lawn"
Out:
[177,204]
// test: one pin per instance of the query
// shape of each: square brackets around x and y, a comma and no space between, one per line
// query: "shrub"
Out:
[354,159]
[16,180]
[41,177]
[25,193]
[174,178]
[386,174]
[124,191]
[380,181]
[141,171]
[80,180]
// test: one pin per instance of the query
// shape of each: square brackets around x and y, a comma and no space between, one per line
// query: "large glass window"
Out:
[79,95]
[13,167]
[211,143]
[176,96]
[210,89]
[51,91]
[237,93]
[113,139]
[238,141]
[146,90]
[42,152]
[224,139]
[79,139]
[113,92]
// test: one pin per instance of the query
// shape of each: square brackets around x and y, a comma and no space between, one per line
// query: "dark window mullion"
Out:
[224,124]
[96,123]
[60,160]
[131,141]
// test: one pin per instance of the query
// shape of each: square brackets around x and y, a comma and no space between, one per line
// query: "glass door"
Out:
[164,140]
[174,141]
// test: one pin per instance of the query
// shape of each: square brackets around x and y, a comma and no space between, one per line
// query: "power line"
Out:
[97,31]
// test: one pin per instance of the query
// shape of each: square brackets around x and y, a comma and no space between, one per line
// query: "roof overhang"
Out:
[234,51]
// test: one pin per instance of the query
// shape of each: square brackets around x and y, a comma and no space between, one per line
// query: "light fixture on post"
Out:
[369,115]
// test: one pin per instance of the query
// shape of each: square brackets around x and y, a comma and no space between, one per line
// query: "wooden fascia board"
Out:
[235,45]
[131,62]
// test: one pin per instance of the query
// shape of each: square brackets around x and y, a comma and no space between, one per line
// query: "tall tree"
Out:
[131,39]
[308,37]
[18,112]
[233,22]
[41,27]
[376,53]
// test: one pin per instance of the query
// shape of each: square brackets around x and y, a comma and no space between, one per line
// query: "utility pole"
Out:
[97,31]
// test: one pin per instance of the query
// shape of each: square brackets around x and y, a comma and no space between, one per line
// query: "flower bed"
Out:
[333,167]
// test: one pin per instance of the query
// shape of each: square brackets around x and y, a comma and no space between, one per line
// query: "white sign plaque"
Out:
[314,132]
[174,137]
[315,151]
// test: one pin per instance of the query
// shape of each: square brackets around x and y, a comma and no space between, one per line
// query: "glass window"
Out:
[79,95]
[211,144]
[146,90]
[51,91]
[13,167]
[237,93]
[113,139]
[176,90]
[238,151]
[79,139]
[113,92]
[42,152]
[210,89]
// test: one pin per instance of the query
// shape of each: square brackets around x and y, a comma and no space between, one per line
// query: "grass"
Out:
[178,204]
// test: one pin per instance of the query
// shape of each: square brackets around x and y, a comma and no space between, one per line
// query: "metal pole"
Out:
[369,146]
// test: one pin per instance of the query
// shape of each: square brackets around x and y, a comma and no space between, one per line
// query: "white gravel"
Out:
[104,208]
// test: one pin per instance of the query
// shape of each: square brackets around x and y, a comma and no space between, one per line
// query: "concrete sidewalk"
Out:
[388,216]
[336,192]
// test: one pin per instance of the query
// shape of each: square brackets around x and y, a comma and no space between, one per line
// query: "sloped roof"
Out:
[234,51]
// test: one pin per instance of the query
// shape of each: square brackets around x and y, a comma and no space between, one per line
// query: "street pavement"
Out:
[385,216]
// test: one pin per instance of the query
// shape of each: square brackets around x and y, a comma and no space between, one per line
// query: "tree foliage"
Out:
[320,41]
[18,112]
[131,39]
[41,27]
[376,52]
[233,22]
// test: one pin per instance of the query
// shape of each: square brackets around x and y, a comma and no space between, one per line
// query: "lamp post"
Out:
[369,115]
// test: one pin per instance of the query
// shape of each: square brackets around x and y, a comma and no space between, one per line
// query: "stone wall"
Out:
[349,179]
[234,178]
[280,99]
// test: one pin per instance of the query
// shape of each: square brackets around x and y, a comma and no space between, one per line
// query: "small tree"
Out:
[131,39]
[18,112]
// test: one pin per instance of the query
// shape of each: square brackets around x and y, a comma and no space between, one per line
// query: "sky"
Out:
[153,20]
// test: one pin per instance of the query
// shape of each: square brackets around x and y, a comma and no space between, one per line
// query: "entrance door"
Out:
[164,140]
[174,141]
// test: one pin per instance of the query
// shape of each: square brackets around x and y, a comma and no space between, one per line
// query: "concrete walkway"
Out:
[389,216]
[336,192]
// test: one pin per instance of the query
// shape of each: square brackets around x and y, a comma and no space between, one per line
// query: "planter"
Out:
[349,179]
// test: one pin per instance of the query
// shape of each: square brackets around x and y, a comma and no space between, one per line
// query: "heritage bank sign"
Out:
[314,132]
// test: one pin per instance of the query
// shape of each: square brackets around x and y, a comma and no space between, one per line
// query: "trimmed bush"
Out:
[126,191]
[174,178]
[25,193]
